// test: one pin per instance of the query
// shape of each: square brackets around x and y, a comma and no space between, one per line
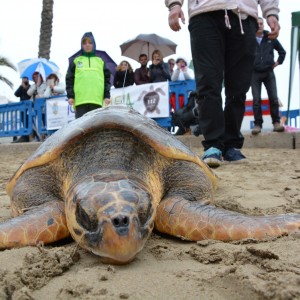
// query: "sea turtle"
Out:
[110,177]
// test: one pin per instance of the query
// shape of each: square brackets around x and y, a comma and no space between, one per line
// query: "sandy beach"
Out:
[168,268]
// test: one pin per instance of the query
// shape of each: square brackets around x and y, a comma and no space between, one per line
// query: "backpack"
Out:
[187,116]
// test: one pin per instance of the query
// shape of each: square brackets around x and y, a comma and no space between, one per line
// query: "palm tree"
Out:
[46,29]
[6,63]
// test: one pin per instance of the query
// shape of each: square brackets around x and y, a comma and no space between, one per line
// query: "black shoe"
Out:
[22,139]
[180,131]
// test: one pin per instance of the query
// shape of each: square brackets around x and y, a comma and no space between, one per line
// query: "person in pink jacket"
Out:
[223,42]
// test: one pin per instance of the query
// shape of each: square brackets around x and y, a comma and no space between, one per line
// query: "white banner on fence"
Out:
[59,113]
[150,99]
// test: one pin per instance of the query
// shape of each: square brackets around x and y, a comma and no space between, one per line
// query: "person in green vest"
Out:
[87,79]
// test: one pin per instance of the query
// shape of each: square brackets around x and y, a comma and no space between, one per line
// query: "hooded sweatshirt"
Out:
[88,79]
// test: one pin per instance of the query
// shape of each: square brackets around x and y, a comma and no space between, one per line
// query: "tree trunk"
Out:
[46,29]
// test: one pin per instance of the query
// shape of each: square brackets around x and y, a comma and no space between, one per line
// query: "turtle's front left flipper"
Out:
[193,220]
[45,223]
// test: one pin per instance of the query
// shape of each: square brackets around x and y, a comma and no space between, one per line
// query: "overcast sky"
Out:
[112,23]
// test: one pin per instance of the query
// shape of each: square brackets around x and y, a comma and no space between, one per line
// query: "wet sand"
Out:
[168,268]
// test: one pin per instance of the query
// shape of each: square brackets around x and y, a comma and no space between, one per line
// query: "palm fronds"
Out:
[4,62]
[8,82]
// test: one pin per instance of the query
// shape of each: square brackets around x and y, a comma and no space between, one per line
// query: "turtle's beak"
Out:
[121,240]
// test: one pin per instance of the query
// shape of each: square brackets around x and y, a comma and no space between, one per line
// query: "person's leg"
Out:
[207,46]
[94,106]
[256,85]
[80,110]
[270,84]
[239,61]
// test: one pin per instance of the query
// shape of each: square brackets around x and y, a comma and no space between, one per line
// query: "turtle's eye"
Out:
[87,220]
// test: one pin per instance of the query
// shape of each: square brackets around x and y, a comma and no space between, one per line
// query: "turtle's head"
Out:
[110,217]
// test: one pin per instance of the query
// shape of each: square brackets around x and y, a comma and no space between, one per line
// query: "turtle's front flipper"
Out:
[196,221]
[45,223]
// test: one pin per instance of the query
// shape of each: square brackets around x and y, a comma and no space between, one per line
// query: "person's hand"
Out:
[175,14]
[71,101]
[183,68]
[156,61]
[274,26]
[275,65]
[25,84]
[107,101]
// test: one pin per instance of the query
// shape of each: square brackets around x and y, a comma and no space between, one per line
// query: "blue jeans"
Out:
[268,79]
[222,55]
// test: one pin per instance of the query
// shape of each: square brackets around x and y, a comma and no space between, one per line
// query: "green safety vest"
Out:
[89,80]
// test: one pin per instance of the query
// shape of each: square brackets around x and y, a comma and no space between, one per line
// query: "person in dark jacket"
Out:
[264,74]
[124,75]
[141,75]
[87,79]
[159,70]
[222,36]
[21,92]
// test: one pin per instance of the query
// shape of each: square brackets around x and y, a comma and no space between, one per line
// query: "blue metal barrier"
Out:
[293,116]
[40,116]
[16,119]
[13,122]
[178,95]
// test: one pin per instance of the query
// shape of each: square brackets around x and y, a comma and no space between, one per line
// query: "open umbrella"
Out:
[42,65]
[147,43]
[110,64]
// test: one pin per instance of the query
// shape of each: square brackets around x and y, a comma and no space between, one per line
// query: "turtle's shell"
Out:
[118,117]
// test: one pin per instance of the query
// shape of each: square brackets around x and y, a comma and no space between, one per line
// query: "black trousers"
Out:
[268,79]
[80,110]
[222,56]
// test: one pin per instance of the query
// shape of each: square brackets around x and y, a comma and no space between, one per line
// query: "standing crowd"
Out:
[230,49]
[225,48]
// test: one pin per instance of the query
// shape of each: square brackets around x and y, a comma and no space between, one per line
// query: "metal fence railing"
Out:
[21,118]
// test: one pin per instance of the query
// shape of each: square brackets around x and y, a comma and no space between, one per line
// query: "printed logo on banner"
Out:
[148,99]
[151,99]
[55,108]
[59,113]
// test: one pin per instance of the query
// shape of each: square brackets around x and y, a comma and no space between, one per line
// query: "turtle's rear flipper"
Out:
[45,223]
[195,221]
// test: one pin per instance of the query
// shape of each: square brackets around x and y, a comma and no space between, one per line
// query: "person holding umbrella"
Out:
[37,89]
[87,79]
[159,70]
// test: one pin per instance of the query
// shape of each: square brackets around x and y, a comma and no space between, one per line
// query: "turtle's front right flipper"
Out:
[45,223]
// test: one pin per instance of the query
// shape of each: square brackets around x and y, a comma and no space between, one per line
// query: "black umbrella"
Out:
[147,43]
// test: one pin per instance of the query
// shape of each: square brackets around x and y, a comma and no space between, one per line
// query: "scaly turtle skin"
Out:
[112,175]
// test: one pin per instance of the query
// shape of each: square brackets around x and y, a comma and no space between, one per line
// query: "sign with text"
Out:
[59,113]
[150,99]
